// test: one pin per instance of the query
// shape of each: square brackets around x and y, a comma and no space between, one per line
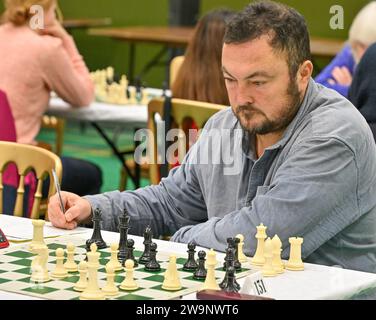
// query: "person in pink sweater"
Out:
[35,62]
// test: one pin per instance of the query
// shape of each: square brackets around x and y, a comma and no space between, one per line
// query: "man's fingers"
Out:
[72,213]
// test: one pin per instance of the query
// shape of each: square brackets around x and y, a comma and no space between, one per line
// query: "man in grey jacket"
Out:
[289,153]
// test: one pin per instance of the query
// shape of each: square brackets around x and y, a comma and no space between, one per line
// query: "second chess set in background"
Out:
[116,90]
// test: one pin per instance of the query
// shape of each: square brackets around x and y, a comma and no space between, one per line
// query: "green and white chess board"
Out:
[15,274]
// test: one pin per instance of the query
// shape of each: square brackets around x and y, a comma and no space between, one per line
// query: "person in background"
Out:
[200,75]
[35,62]
[339,73]
[362,92]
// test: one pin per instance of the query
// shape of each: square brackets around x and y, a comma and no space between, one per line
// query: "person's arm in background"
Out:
[338,74]
[64,69]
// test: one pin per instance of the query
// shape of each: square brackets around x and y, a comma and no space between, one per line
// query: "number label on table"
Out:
[255,284]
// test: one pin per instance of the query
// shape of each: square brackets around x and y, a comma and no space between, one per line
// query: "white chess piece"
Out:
[241,256]
[129,283]
[114,262]
[259,258]
[92,291]
[38,239]
[70,265]
[295,262]
[39,269]
[144,96]
[81,284]
[210,280]
[60,271]
[267,269]
[110,289]
[171,277]
[277,249]
[132,96]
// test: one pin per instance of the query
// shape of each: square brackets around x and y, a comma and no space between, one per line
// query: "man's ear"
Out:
[304,73]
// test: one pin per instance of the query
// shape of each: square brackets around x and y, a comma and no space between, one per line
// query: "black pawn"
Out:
[153,264]
[123,229]
[231,285]
[130,255]
[148,236]
[201,271]
[97,236]
[191,264]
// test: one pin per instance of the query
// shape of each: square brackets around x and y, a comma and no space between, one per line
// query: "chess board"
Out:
[15,274]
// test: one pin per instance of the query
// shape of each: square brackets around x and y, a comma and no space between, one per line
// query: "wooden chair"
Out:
[28,158]
[183,112]
[57,124]
[175,65]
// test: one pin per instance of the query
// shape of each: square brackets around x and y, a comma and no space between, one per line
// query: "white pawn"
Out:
[171,277]
[277,249]
[129,283]
[70,265]
[259,258]
[39,267]
[114,262]
[267,269]
[145,97]
[295,262]
[210,281]
[92,291]
[110,289]
[81,284]
[241,256]
[132,95]
[60,271]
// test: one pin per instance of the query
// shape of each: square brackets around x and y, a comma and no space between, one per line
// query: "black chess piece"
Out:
[130,255]
[231,284]
[97,236]
[123,229]
[237,264]
[229,260]
[233,243]
[191,264]
[153,264]
[148,236]
[201,271]
[230,244]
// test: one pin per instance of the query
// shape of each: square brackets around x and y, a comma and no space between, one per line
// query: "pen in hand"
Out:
[57,186]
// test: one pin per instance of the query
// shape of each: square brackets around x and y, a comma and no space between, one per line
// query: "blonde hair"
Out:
[363,28]
[18,11]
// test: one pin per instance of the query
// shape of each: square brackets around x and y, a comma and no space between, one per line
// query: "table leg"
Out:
[118,154]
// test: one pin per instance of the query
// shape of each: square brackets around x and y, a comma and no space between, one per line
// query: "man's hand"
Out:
[342,76]
[77,210]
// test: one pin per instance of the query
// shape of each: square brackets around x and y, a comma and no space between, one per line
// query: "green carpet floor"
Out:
[84,142]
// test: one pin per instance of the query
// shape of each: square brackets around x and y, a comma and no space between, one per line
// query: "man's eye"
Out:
[259,83]
[229,80]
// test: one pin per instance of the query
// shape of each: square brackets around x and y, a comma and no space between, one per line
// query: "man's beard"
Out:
[284,119]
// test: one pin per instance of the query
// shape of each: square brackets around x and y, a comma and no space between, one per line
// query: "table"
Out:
[169,37]
[131,117]
[84,23]
[316,282]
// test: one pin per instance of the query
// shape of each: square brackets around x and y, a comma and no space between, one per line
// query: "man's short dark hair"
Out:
[286,27]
